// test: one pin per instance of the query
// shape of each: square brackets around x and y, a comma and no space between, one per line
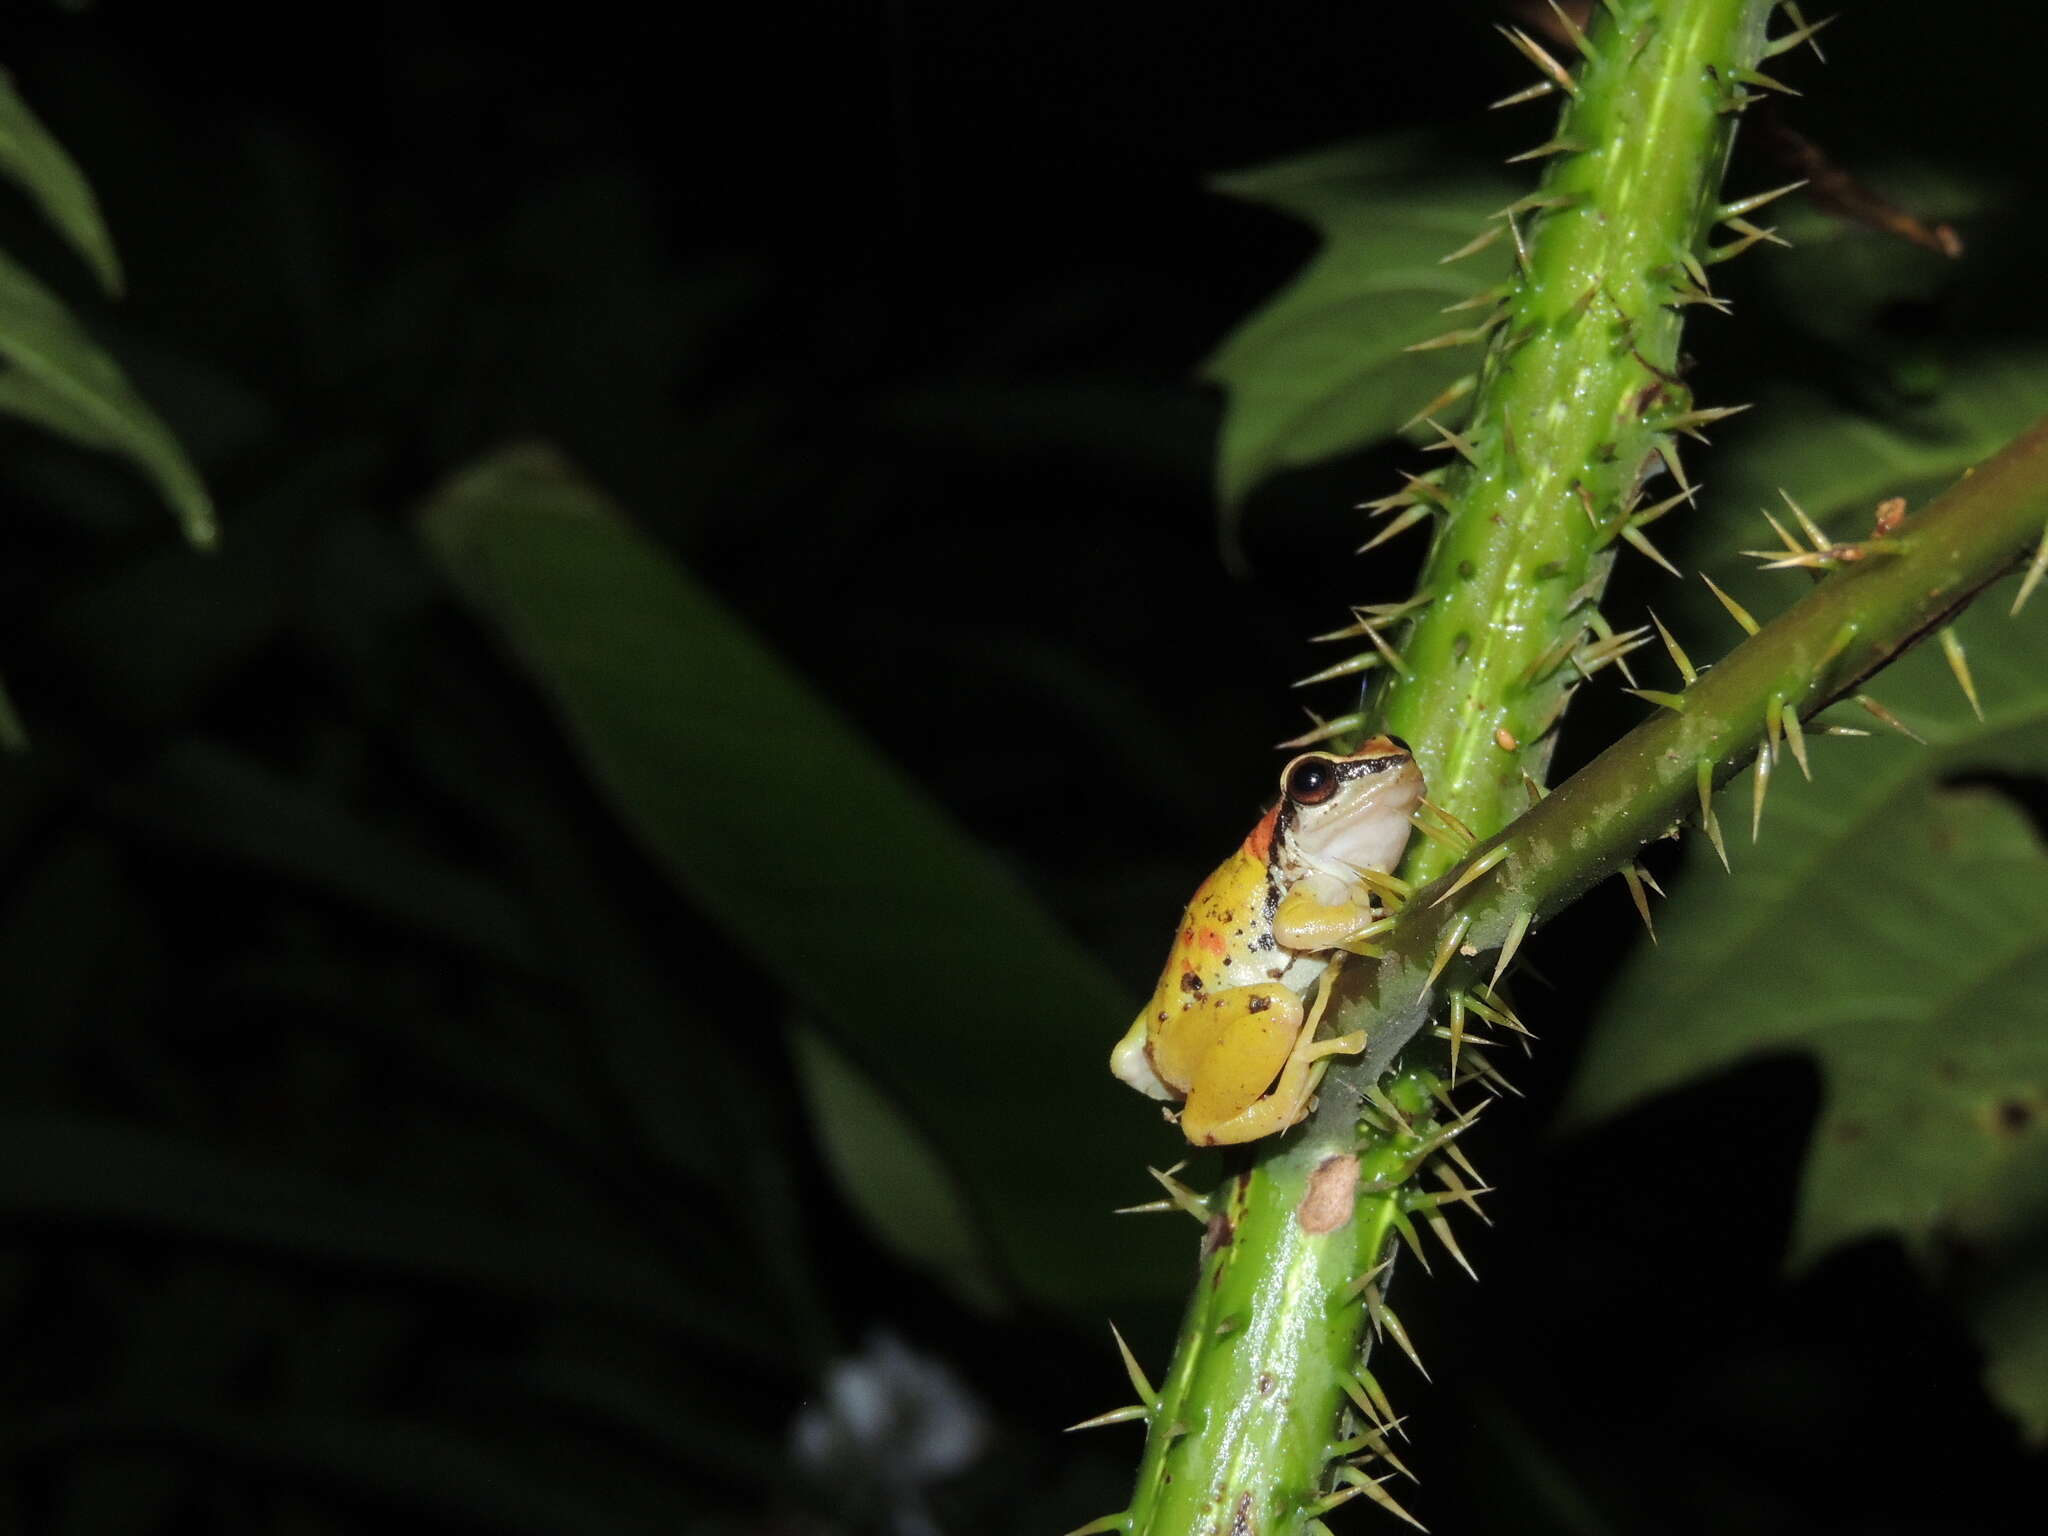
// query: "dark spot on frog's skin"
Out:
[1467,570]
[1265,941]
[1259,1003]
[1190,982]
[2014,1116]
[1849,1130]
[1265,1383]
[1162,1018]
[1241,1522]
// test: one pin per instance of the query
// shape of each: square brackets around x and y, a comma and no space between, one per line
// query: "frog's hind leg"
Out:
[1267,1114]
[1228,1050]
[1308,1048]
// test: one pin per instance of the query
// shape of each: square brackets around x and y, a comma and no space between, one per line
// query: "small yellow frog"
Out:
[1226,1029]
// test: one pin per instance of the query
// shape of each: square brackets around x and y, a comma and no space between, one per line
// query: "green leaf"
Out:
[60,379]
[36,162]
[203,796]
[1838,460]
[1320,370]
[102,1175]
[934,969]
[399,1469]
[2010,1318]
[890,1173]
[1893,924]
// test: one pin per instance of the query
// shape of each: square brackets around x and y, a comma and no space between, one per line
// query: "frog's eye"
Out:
[1311,781]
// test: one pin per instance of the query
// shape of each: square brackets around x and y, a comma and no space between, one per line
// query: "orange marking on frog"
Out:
[1212,940]
[1259,842]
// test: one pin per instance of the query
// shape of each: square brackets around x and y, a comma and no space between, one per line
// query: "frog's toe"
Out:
[1337,1045]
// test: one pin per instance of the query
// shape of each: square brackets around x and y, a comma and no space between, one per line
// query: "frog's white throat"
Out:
[1370,833]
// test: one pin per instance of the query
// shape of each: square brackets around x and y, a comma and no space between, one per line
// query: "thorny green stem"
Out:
[1279,1326]
[1895,590]
[1578,406]
[1266,1408]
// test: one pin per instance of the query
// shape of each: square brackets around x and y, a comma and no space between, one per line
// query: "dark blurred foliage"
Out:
[323,1208]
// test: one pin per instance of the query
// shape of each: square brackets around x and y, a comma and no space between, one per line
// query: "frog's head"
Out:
[1341,814]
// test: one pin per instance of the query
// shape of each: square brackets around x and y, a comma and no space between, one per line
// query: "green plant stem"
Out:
[1268,1353]
[1576,406]
[1897,590]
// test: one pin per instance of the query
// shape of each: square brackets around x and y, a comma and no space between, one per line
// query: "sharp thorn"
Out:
[1734,248]
[1535,53]
[1379,1495]
[1762,788]
[1453,937]
[1479,867]
[1795,738]
[1139,1384]
[1791,544]
[1458,338]
[1756,200]
[1709,822]
[1441,1226]
[1447,439]
[1736,611]
[1114,1416]
[1323,730]
[1805,33]
[1474,246]
[1683,662]
[1641,541]
[1751,235]
[1551,147]
[1179,1194]
[1412,1240]
[1457,390]
[1813,530]
[1364,661]
[2032,579]
[1959,663]
[1667,450]
[1675,702]
[1632,875]
[1517,931]
[1386,1322]
[1758,78]
[1572,30]
[1462,829]
[1886,717]
[1534,92]
[1649,515]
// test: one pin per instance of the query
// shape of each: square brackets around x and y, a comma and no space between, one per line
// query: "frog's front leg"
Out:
[1322,914]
